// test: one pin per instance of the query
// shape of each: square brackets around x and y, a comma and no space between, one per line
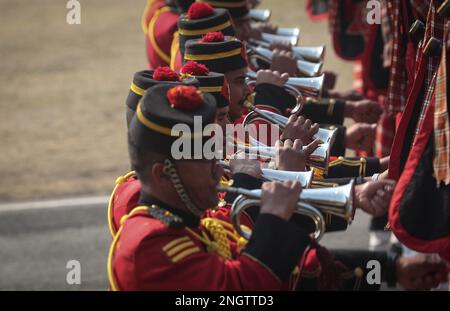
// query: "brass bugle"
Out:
[306,68]
[337,201]
[325,135]
[260,15]
[250,198]
[312,53]
[315,54]
[305,178]
[272,38]
[309,87]
[319,158]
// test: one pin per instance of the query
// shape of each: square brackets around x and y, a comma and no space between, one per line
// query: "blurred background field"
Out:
[63,88]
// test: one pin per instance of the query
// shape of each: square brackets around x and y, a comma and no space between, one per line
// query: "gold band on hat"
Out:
[210,89]
[137,90]
[204,31]
[162,129]
[213,56]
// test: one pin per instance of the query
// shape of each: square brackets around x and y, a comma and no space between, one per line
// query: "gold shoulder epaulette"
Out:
[166,217]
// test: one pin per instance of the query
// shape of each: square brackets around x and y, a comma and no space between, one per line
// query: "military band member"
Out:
[159,22]
[125,195]
[145,79]
[171,245]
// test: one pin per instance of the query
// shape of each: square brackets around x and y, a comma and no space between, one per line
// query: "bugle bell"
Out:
[288,32]
[312,53]
[259,15]
[315,54]
[273,38]
[306,68]
[309,87]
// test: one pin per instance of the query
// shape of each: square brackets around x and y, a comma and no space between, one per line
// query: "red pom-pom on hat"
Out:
[165,74]
[195,69]
[199,10]
[184,97]
[215,36]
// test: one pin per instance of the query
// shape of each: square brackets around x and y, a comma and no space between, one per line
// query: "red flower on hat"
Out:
[199,10]
[165,74]
[184,97]
[195,69]
[215,36]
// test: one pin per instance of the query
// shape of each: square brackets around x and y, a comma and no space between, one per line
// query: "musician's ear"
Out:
[156,170]
[158,177]
[158,174]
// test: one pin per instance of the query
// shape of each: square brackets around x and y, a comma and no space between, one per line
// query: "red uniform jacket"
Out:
[159,23]
[149,253]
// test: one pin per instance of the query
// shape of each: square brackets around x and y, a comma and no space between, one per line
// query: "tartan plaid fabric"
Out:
[396,97]
[441,161]
[386,31]
[426,102]
[397,91]
[385,132]
[434,28]
[386,125]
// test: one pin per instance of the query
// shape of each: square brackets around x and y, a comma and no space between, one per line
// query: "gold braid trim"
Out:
[151,35]
[110,269]
[174,48]
[221,232]
[118,182]
[361,163]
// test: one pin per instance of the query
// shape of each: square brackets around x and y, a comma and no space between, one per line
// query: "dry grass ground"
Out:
[62,91]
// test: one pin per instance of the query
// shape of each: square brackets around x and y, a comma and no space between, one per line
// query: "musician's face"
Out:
[239,91]
[200,179]
[222,117]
